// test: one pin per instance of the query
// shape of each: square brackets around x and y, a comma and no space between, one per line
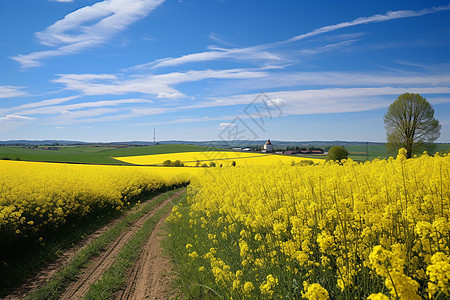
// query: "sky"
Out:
[122,70]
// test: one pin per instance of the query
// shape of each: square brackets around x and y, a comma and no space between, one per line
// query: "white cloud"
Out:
[36,104]
[88,27]
[328,100]
[336,79]
[225,125]
[101,115]
[159,85]
[11,91]
[65,109]
[12,117]
[276,102]
[239,54]
[390,15]
[260,52]
[328,48]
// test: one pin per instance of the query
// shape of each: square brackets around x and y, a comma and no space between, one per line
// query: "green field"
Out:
[91,154]
[103,154]
[358,152]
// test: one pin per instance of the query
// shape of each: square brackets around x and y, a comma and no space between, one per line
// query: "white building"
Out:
[268,147]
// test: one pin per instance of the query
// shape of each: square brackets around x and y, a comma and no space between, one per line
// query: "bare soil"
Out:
[150,277]
[159,285]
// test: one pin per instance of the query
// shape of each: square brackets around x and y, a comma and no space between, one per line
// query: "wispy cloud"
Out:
[42,103]
[327,100]
[105,115]
[307,80]
[239,54]
[328,48]
[390,15]
[64,109]
[159,85]
[11,91]
[215,37]
[261,52]
[83,112]
[14,117]
[226,125]
[87,27]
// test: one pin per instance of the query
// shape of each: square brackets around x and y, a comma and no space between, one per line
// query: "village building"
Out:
[268,147]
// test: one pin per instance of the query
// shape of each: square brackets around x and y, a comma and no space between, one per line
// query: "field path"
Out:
[150,276]
[44,275]
[100,264]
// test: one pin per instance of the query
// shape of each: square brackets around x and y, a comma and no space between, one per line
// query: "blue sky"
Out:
[114,70]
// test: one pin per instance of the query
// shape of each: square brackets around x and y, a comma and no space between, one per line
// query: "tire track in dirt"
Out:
[101,263]
[44,275]
[150,277]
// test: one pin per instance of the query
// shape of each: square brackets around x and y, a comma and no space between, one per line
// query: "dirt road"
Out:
[149,278]
[100,264]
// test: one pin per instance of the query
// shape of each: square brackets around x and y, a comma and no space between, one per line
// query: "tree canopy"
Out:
[410,124]
[337,153]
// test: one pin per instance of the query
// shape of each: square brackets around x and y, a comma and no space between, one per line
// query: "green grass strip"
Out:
[115,277]
[57,284]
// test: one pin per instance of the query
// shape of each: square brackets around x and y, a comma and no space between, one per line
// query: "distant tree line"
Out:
[169,163]
[178,163]
[297,149]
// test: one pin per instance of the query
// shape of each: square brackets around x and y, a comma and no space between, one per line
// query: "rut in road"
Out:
[150,276]
[44,275]
[100,264]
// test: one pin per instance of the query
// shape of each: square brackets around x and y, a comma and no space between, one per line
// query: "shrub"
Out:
[177,163]
[305,162]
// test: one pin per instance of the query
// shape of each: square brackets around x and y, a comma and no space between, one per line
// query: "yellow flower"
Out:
[267,287]
[378,296]
[439,273]
[316,292]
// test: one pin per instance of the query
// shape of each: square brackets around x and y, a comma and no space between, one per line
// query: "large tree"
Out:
[410,124]
[337,153]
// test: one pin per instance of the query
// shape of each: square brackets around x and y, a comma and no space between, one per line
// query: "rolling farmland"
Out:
[266,226]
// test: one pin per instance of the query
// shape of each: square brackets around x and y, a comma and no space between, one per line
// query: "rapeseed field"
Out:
[374,230]
[224,158]
[38,196]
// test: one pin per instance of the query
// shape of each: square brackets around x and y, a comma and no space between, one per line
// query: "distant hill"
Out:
[42,143]
[227,144]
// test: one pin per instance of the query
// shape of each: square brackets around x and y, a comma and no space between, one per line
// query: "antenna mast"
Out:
[154,136]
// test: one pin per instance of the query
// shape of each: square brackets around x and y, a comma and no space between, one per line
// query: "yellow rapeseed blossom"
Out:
[224,158]
[267,287]
[316,292]
[439,273]
[382,222]
[248,288]
[36,195]
[378,296]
